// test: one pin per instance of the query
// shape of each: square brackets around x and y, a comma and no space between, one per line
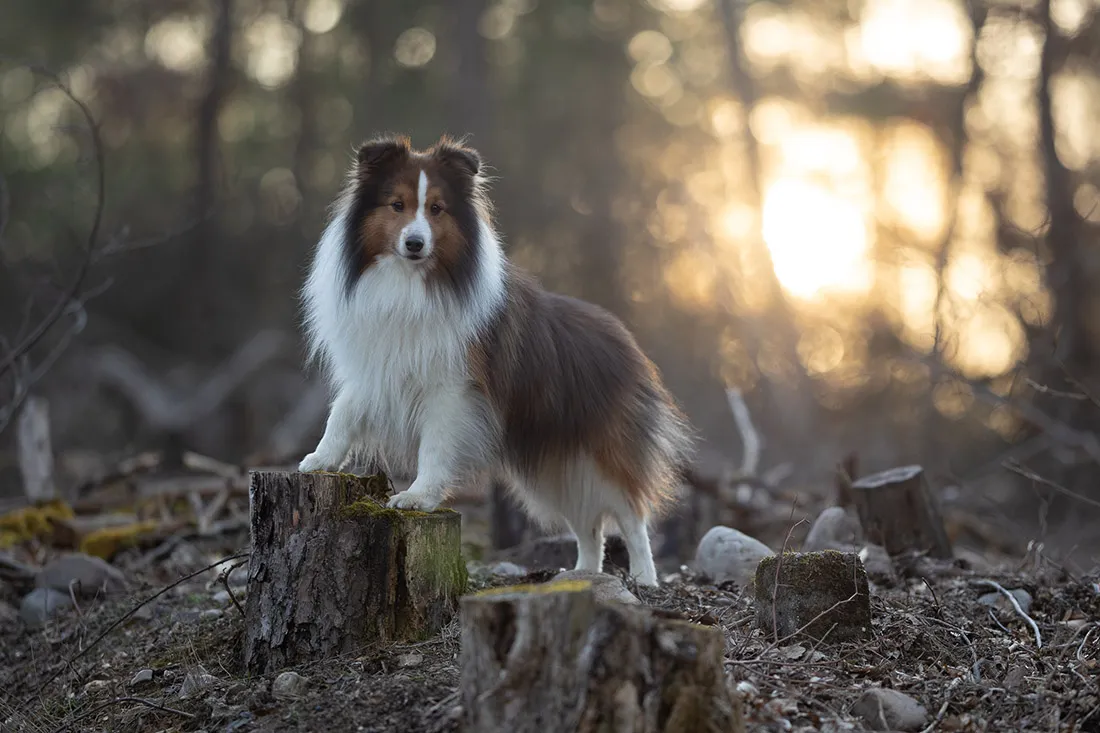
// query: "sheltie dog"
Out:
[448,362]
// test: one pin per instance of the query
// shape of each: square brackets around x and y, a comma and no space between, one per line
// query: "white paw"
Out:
[315,462]
[416,500]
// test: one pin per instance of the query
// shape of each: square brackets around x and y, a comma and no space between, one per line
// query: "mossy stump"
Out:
[539,658]
[897,511]
[333,569]
[820,595]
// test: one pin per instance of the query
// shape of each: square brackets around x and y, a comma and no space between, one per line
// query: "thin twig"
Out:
[1016,605]
[63,303]
[225,581]
[117,701]
[1029,474]
[127,615]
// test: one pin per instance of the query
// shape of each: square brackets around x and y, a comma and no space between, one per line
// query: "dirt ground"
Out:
[974,667]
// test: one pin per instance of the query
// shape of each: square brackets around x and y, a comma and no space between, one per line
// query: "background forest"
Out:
[877,219]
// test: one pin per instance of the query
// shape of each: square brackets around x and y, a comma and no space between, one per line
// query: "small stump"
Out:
[539,658]
[334,569]
[823,595]
[897,511]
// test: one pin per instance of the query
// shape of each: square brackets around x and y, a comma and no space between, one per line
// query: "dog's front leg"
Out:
[340,431]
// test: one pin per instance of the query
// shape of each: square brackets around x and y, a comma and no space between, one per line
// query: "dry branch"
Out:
[35,451]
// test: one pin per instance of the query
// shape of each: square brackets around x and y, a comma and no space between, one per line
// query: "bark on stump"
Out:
[897,511]
[541,658]
[333,569]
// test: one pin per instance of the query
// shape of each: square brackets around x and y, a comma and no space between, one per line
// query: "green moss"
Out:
[105,543]
[435,554]
[558,586]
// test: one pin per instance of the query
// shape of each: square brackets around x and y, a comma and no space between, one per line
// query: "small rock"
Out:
[1015,679]
[885,709]
[411,659]
[727,554]
[96,686]
[197,681]
[289,685]
[877,563]
[997,600]
[605,588]
[211,613]
[41,604]
[821,594]
[834,529]
[507,568]
[143,677]
[89,576]
[221,596]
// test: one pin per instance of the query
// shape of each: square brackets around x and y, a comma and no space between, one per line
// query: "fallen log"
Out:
[898,512]
[538,658]
[333,569]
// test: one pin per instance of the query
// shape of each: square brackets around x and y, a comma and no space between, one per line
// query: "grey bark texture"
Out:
[897,511]
[820,595]
[333,569]
[551,658]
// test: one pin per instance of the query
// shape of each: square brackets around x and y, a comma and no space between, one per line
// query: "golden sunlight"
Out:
[913,40]
[817,239]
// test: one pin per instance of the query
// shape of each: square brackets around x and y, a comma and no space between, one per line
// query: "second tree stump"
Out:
[333,569]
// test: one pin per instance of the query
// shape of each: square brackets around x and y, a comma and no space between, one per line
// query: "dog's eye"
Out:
[398,206]
[437,209]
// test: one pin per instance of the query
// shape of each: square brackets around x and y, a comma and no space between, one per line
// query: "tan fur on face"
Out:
[381,227]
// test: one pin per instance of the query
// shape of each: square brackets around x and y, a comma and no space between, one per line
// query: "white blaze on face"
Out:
[418,231]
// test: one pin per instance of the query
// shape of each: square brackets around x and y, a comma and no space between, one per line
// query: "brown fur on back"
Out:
[566,377]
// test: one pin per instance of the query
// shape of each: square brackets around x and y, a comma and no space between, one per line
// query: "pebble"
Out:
[289,685]
[885,709]
[89,576]
[728,554]
[997,600]
[143,677]
[41,604]
[221,596]
[211,613]
[834,529]
[605,588]
[96,686]
[412,659]
[197,681]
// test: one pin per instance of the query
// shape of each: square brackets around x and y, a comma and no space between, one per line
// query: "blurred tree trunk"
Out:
[794,402]
[1067,274]
[305,100]
[199,271]
[471,113]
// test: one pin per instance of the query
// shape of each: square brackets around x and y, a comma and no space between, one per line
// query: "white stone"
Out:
[728,554]
[289,685]
[885,709]
[834,529]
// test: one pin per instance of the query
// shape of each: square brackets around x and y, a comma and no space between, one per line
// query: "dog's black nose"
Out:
[414,244]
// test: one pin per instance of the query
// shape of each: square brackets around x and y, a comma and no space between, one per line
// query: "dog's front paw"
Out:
[416,500]
[315,462]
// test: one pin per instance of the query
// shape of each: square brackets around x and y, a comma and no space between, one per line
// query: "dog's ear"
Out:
[458,157]
[376,153]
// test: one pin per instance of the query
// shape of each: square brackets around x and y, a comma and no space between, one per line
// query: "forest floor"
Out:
[941,634]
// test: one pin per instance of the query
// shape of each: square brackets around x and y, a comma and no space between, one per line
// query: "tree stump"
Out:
[897,511]
[822,595]
[334,569]
[540,658]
